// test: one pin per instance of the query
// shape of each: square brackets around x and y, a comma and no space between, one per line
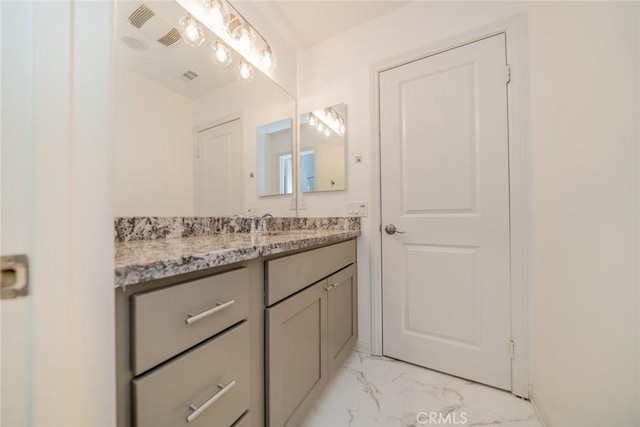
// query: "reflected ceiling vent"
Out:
[170,38]
[190,75]
[140,16]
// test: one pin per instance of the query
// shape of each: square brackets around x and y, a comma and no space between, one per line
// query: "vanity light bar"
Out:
[232,29]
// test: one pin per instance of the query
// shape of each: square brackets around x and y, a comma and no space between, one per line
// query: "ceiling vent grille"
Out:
[170,38]
[140,16]
[190,75]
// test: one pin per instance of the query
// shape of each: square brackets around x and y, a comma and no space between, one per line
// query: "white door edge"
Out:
[515,29]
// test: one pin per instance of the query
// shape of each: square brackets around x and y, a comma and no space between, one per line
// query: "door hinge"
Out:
[197,151]
[512,349]
[508,73]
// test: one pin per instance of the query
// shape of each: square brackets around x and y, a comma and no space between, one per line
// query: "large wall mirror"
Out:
[192,137]
[322,149]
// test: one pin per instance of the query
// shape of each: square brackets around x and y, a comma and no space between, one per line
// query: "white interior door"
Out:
[219,170]
[57,343]
[17,193]
[445,183]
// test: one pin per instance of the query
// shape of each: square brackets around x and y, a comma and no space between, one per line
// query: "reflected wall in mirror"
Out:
[322,149]
[275,162]
[184,126]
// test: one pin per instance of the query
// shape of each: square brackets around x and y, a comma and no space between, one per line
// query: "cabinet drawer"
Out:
[168,321]
[213,377]
[292,273]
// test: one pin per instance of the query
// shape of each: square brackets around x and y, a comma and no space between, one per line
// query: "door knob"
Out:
[391,229]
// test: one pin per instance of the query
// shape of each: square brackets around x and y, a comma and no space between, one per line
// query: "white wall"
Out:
[154,162]
[584,111]
[584,102]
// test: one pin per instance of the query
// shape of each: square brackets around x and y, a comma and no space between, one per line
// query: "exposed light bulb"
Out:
[191,31]
[320,128]
[242,37]
[312,121]
[342,129]
[267,59]
[220,53]
[327,132]
[244,70]
[215,14]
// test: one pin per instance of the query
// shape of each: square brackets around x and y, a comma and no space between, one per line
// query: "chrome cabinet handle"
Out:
[331,286]
[391,229]
[219,306]
[197,410]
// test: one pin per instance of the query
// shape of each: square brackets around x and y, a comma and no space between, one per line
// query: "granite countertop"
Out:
[139,261]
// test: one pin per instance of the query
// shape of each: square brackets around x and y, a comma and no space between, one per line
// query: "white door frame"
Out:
[515,29]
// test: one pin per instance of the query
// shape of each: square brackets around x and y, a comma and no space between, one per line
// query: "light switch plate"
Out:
[363,208]
[292,204]
[303,203]
[352,208]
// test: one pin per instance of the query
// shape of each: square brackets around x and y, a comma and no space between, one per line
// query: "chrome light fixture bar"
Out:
[233,30]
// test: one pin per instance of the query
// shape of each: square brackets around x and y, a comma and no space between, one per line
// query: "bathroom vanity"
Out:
[232,329]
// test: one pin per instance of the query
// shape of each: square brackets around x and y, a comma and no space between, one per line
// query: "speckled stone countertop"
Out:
[139,261]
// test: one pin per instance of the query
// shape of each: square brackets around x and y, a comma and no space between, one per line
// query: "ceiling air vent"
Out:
[170,38]
[140,16]
[190,75]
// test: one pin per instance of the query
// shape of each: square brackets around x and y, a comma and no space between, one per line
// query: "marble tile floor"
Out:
[373,391]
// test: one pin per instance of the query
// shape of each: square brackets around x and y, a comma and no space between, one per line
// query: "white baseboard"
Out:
[539,408]
[363,346]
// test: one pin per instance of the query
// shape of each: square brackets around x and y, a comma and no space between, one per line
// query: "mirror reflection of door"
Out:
[275,162]
[286,174]
[308,171]
[219,172]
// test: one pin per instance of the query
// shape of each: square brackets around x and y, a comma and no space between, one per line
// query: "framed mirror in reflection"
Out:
[322,149]
[185,125]
[275,162]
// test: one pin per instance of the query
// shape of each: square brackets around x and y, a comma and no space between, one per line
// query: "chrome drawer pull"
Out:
[335,285]
[328,288]
[197,410]
[219,307]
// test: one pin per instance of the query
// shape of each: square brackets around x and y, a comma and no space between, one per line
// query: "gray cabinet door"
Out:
[296,355]
[342,316]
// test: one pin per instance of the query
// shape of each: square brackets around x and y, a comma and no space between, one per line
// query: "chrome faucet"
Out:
[262,225]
